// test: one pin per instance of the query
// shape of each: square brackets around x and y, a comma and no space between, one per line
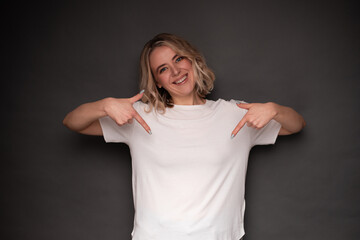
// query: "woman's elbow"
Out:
[67,122]
[303,123]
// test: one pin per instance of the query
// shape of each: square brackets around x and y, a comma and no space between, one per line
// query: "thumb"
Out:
[137,97]
[244,105]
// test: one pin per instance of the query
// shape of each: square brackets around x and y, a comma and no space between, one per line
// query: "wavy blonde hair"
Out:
[159,98]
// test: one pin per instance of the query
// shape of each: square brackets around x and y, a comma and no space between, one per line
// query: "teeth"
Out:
[181,80]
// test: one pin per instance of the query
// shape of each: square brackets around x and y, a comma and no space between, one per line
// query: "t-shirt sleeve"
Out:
[265,135]
[113,132]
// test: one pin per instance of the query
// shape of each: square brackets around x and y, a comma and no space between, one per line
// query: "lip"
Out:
[186,78]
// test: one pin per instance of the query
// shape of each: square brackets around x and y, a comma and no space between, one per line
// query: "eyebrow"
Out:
[157,69]
[174,57]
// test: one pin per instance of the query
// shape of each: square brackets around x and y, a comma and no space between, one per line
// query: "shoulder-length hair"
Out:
[159,98]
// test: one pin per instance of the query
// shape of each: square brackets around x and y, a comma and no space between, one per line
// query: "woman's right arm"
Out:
[85,118]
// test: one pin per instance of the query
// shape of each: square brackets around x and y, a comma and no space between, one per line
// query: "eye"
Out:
[179,59]
[162,70]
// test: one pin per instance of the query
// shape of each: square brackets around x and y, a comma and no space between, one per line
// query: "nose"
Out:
[175,70]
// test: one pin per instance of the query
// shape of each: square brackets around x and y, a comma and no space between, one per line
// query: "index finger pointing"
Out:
[239,126]
[137,97]
[142,122]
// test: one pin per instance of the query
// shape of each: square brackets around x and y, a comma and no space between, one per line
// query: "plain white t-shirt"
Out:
[188,177]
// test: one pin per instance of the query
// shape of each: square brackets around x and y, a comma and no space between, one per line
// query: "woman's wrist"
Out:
[274,108]
[105,106]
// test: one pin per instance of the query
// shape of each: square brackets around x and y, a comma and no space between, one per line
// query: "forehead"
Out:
[161,55]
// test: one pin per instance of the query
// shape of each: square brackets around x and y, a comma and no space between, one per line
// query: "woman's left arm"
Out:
[291,121]
[260,114]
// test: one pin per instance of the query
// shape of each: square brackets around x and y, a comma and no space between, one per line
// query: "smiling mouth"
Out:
[181,80]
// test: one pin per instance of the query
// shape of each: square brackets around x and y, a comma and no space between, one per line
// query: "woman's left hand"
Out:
[258,115]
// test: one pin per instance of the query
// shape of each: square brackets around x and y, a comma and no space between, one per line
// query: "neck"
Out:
[191,100]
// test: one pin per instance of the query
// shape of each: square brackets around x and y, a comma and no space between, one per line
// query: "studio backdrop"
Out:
[59,185]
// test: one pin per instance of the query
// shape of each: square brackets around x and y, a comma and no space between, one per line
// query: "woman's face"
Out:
[174,73]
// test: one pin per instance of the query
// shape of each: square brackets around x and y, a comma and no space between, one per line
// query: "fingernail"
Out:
[232,136]
[142,91]
[150,132]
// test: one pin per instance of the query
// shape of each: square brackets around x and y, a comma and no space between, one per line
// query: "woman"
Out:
[189,154]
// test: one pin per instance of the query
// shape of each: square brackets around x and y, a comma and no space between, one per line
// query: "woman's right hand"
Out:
[85,118]
[121,110]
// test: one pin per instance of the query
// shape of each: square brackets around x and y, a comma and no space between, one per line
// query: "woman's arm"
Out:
[291,121]
[85,118]
[260,114]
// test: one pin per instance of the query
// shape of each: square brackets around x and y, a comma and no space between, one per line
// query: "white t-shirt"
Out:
[188,177]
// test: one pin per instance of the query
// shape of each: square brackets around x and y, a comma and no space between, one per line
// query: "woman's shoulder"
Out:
[141,106]
[229,106]
[223,102]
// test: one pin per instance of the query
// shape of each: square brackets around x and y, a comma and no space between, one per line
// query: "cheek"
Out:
[190,68]
[161,79]
[187,63]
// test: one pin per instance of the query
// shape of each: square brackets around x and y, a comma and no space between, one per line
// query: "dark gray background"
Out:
[305,54]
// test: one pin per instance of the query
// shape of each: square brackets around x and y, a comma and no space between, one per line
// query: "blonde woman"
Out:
[189,154]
